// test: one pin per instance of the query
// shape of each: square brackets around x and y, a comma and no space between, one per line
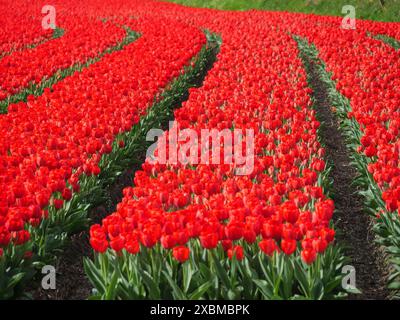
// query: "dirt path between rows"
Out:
[353,223]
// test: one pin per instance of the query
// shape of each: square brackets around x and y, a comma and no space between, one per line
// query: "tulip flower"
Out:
[308,255]
[181,253]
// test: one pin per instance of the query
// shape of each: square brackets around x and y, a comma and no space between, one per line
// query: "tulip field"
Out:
[77,104]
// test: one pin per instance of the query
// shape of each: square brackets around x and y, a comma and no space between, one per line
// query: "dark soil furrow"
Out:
[353,224]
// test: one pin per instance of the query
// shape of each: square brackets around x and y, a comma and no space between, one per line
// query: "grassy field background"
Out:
[383,10]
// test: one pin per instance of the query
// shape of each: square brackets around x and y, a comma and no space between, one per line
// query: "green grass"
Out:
[365,9]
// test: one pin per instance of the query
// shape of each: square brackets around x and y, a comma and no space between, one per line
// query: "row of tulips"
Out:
[21,26]
[47,83]
[191,231]
[60,149]
[362,75]
[84,38]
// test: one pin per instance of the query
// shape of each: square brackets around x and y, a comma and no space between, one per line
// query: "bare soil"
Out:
[354,225]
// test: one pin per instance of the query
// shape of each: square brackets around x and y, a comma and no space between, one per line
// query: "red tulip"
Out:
[226,244]
[20,237]
[288,246]
[236,251]
[99,245]
[308,255]
[67,194]
[168,241]
[324,209]
[58,203]
[209,241]
[234,231]
[117,244]
[290,212]
[249,235]
[132,246]
[181,253]
[268,246]
[320,245]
